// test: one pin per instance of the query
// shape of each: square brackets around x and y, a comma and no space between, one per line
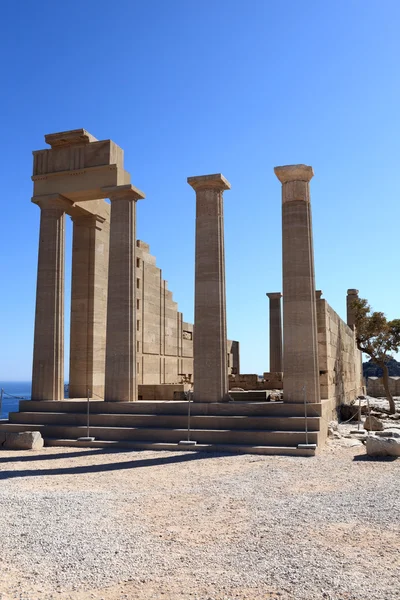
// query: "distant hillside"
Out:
[371,370]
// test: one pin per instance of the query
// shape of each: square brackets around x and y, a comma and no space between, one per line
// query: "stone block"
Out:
[373,424]
[24,440]
[382,446]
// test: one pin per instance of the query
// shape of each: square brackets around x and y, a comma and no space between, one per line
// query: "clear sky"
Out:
[190,87]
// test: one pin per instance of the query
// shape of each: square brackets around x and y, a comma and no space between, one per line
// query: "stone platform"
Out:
[241,427]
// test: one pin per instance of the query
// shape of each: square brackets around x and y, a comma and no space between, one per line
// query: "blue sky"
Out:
[194,87]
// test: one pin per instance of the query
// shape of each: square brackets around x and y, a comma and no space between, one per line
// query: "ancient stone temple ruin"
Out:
[130,349]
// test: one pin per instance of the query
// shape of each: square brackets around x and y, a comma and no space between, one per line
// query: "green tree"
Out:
[377,337]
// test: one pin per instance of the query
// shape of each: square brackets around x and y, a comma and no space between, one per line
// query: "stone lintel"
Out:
[352,292]
[215,181]
[294,173]
[120,192]
[53,201]
[69,138]
[274,295]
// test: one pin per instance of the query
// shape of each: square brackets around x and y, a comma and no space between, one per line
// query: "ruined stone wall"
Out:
[375,386]
[164,341]
[340,364]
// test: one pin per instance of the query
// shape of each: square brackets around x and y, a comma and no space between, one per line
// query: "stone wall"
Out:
[164,340]
[375,386]
[269,381]
[340,364]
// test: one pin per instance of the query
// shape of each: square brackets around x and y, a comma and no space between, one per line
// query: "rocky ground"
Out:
[80,524]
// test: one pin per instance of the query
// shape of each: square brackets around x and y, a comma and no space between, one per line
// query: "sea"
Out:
[13,392]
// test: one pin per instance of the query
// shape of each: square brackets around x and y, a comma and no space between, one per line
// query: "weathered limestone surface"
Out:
[339,358]
[120,375]
[48,351]
[23,440]
[275,332]
[88,305]
[210,347]
[376,388]
[300,349]
[351,296]
[164,340]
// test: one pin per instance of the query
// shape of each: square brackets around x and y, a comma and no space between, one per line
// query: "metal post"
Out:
[305,413]
[88,413]
[87,438]
[189,396]
[306,446]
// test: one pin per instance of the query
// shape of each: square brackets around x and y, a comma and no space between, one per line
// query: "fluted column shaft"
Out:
[120,375]
[88,306]
[275,332]
[300,342]
[210,365]
[48,350]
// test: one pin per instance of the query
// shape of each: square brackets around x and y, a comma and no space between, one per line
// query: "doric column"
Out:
[120,377]
[300,342]
[88,306]
[275,332]
[351,296]
[48,349]
[210,364]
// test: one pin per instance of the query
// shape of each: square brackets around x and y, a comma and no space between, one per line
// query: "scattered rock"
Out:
[24,440]
[382,446]
[394,433]
[394,417]
[333,430]
[373,424]
[274,397]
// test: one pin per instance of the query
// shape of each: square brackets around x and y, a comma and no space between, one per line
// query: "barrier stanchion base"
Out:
[187,443]
[307,446]
[86,439]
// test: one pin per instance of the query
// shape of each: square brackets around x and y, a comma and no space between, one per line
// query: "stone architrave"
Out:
[120,372]
[210,367]
[352,295]
[300,342]
[88,306]
[275,332]
[48,348]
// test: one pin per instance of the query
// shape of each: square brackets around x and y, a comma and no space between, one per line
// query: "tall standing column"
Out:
[210,364]
[120,376]
[88,306]
[300,341]
[275,332]
[351,296]
[48,349]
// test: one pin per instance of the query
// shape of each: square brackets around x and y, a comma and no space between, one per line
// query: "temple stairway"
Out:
[243,427]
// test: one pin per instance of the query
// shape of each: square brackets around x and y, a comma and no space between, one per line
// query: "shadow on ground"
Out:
[105,467]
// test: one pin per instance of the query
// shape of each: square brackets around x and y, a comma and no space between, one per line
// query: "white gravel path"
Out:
[81,524]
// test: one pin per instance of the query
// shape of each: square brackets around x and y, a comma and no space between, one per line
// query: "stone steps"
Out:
[159,434]
[230,448]
[248,427]
[278,409]
[231,422]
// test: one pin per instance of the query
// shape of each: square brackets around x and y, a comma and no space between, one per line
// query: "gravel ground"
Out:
[82,524]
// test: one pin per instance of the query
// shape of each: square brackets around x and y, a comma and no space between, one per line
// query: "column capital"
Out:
[294,173]
[318,294]
[274,295]
[88,220]
[123,192]
[53,202]
[352,292]
[207,182]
